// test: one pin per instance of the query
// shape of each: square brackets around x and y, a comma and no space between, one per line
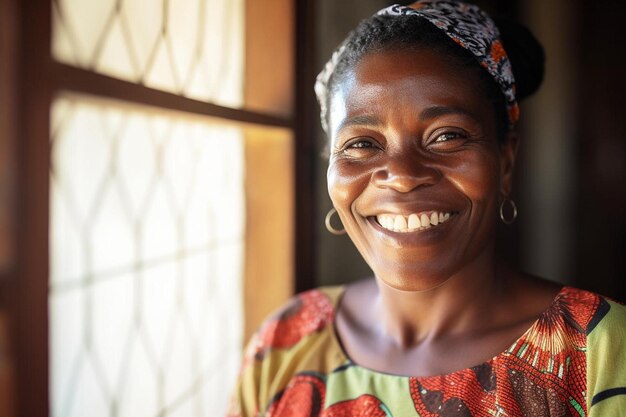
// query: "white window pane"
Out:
[158,309]
[85,22]
[159,235]
[82,153]
[195,48]
[136,163]
[186,33]
[111,241]
[180,361]
[116,58]
[112,323]
[146,20]
[68,261]
[88,397]
[66,347]
[179,164]
[63,48]
[146,245]
[138,395]
[221,60]
[161,74]
[197,289]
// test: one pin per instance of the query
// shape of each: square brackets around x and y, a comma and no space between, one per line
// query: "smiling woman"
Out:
[428,154]
[420,105]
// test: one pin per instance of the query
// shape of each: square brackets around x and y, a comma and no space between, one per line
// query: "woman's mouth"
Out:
[413,222]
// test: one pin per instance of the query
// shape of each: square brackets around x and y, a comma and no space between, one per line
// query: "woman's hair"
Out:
[409,32]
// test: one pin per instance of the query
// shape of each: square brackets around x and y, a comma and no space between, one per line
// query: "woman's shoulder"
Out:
[595,312]
[605,315]
[587,311]
[296,339]
[307,311]
[304,315]
[606,357]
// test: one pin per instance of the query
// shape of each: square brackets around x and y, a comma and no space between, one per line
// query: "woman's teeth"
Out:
[400,223]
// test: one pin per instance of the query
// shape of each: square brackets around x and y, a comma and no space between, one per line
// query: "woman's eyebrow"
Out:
[363,120]
[438,111]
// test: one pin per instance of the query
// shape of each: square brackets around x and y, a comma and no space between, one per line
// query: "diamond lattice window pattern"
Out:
[194,48]
[147,238]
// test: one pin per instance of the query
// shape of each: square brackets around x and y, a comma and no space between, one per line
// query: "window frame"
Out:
[36,77]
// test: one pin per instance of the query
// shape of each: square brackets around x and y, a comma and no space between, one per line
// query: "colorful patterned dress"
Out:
[570,362]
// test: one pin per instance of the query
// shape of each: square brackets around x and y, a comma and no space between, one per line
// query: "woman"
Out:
[420,106]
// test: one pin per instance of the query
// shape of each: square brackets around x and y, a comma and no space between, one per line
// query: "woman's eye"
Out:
[447,136]
[358,148]
[360,145]
[448,141]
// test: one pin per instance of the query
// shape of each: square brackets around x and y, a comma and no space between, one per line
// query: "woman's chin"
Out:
[413,279]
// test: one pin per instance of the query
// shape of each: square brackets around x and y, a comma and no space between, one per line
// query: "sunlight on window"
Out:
[147,241]
[193,48]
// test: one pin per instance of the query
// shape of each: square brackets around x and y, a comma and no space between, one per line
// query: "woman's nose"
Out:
[405,174]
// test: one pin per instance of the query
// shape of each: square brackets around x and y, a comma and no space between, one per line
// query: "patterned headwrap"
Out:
[466,25]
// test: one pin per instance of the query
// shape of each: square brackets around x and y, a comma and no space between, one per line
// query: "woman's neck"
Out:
[483,309]
[461,304]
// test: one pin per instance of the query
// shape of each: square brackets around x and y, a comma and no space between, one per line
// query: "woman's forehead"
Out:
[405,81]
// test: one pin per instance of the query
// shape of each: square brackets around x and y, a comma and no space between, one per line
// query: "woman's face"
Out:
[416,171]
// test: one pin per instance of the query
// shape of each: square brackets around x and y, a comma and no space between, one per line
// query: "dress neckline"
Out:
[351,363]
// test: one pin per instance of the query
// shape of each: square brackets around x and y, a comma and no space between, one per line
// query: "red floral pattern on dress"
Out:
[303,397]
[305,314]
[364,406]
[544,372]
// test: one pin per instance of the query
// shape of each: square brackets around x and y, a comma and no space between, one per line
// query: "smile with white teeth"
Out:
[413,222]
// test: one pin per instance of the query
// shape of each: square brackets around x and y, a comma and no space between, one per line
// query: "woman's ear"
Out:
[508,155]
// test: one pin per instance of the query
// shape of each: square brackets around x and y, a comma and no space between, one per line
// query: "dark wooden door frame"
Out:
[306,150]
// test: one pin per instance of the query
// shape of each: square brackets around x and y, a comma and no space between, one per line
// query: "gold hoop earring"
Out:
[329,226]
[513,208]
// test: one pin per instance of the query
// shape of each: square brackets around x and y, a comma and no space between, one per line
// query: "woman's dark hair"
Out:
[407,32]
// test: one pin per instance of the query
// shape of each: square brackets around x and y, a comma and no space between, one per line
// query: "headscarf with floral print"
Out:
[466,25]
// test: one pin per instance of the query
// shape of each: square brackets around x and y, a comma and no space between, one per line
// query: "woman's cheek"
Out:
[345,183]
[477,176]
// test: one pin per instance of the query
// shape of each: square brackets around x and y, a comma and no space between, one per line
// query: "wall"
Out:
[547,159]
[573,219]
[600,126]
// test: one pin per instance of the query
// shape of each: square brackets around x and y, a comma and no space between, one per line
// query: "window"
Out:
[170,200]
[147,240]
